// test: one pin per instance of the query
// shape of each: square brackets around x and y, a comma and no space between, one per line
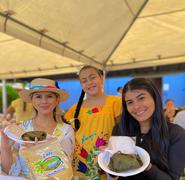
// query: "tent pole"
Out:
[104,78]
[4,97]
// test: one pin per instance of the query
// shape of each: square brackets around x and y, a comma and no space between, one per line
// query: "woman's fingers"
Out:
[5,140]
[27,145]
[36,140]
[31,143]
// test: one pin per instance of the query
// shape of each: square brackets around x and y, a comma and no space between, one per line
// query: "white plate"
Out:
[3,177]
[104,158]
[18,139]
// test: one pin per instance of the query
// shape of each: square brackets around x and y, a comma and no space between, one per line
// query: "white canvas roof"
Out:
[45,37]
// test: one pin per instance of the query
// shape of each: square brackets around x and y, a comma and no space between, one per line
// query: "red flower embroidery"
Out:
[95,110]
[100,142]
[83,153]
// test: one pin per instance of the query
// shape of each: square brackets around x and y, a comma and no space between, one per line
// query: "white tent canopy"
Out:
[46,37]
[155,39]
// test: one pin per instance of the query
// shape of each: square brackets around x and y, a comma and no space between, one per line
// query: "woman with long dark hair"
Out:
[142,117]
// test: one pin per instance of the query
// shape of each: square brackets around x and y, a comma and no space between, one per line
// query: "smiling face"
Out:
[91,81]
[170,105]
[140,105]
[45,102]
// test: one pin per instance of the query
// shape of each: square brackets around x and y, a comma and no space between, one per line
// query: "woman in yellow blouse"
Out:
[21,109]
[93,119]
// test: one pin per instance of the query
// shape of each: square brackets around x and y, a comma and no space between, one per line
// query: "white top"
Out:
[180,119]
[63,132]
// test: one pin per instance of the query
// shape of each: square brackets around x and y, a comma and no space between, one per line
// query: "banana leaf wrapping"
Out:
[31,135]
[120,162]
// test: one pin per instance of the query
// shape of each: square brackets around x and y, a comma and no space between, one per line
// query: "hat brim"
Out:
[26,94]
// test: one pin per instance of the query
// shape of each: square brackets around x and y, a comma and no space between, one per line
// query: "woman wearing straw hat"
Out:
[45,98]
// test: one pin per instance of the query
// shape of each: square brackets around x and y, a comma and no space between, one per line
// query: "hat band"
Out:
[42,87]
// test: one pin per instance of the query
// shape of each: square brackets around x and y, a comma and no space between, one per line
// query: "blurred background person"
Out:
[120,91]
[180,119]
[19,111]
[170,110]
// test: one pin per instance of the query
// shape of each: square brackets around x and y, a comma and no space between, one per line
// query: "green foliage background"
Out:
[11,95]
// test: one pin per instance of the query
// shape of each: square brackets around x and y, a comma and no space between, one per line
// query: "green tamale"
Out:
[31,135]
[120,162]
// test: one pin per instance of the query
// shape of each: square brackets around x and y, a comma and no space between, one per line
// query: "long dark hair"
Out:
[77,110]
[80,101]
[129,126]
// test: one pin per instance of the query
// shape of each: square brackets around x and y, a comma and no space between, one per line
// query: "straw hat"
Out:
[42,85]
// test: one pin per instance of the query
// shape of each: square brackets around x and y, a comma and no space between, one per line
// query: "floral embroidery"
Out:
[91,169]
[88,137]
[100,142]
[82,167]
[83,153]
[92,111]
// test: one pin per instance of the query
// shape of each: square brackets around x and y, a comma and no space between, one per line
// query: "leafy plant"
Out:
[11,95]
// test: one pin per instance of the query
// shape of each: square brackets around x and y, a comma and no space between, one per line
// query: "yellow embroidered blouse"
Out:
[19,113]
[96,124]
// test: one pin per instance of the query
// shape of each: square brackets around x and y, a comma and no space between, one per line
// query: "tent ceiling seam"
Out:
[7,40]
[125,33]
[112,68]
[48,37]
[40,69]
[161,14]
[159,57]
[130,9]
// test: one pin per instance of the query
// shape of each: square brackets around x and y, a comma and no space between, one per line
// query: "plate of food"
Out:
[17,134]
[119,164]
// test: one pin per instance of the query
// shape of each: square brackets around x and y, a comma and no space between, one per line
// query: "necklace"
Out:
[142,136]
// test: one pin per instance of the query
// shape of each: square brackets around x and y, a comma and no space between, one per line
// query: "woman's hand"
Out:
[102,148]
[28,144]
[6,152]
[6,142]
